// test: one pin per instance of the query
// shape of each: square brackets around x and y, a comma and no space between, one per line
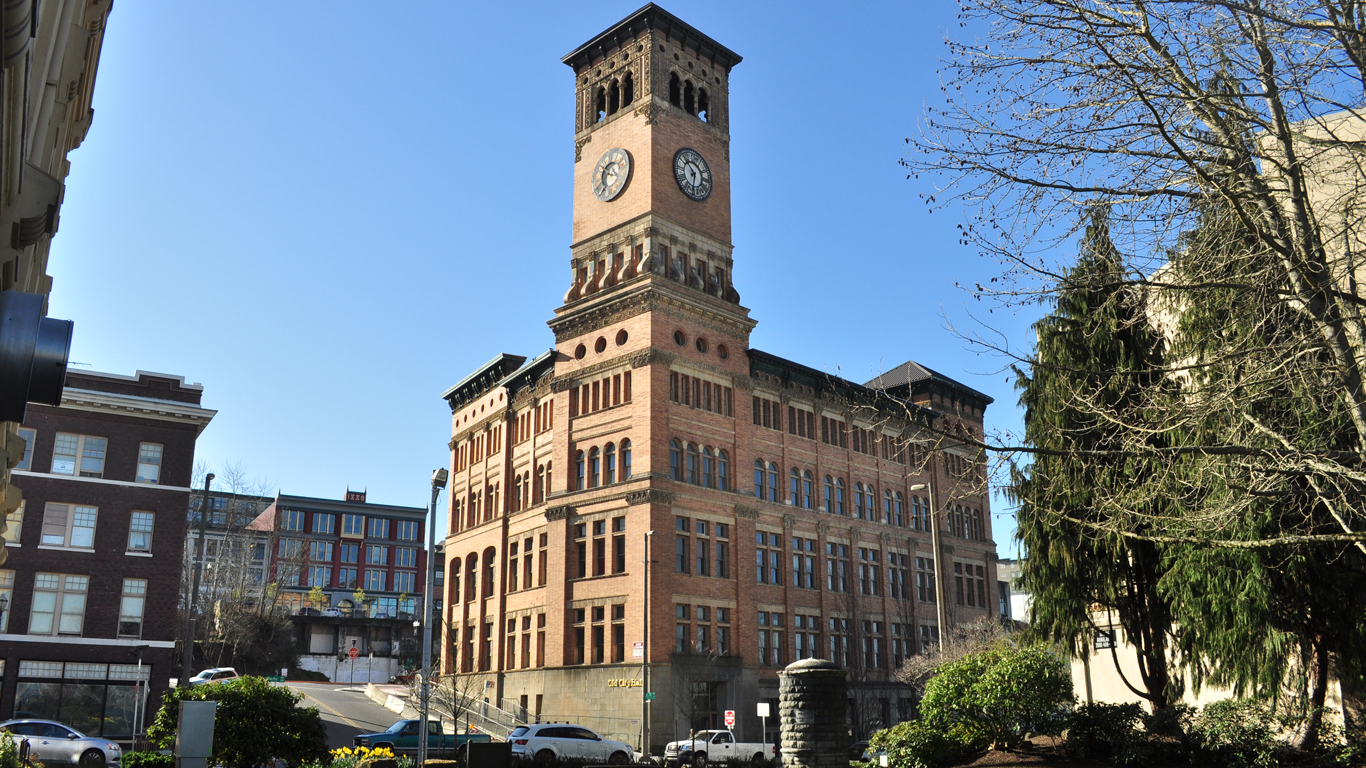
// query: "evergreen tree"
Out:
[1097,365]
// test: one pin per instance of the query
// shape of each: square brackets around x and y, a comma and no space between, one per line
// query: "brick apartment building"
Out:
[786,511]
[94,563]
[344,548]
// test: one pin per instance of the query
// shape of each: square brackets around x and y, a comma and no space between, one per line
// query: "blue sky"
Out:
[329,213]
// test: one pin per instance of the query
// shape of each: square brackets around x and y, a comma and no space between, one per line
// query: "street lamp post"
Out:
[439,478]
[645,660]
[188,651]
[938,562]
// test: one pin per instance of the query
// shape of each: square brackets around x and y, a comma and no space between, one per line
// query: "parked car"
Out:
[715,747]
[547,742]
[332,612]
[403,737]
[215,675]
[51,742]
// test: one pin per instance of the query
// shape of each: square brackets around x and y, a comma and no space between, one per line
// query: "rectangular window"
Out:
[405,581]
[58,604]
[320,551]
[7,595]
[140,532]
[291,549]
[376,555]
[69,526]
[29,436]
[379,528]
[320,576]
[407,530]
[14,526]
[346,578]
[353,525]
[149,463]
[350,553]
[681,554]
[131,607]
[69,450]
[323,522]
[291,520]
[618,554]
[924,579]
[406,557]
[374,580]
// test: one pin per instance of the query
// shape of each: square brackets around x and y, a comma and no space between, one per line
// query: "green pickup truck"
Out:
[402,738]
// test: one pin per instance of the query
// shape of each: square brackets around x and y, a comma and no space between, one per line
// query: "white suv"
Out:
[546,742]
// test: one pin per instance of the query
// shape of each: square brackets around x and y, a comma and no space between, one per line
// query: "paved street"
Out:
[345,712]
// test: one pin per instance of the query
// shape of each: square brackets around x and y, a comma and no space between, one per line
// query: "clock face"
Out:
[692,173]
[609,177]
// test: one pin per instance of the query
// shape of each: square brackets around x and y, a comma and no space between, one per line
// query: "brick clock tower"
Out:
[651,423]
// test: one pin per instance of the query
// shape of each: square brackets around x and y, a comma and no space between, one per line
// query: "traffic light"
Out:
[33,354]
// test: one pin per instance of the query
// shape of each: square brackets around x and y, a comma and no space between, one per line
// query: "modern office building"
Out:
[91,583]
[786,513]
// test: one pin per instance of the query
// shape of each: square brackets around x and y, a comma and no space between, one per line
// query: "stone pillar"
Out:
[814,709]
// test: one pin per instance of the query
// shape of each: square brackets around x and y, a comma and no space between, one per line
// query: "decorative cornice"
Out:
[649,296]
[748,513]
[558,512]
[649,496]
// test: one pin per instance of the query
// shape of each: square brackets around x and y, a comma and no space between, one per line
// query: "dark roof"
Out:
[824,382]
[484,378]
[651,17]
[915,377]
[266,520]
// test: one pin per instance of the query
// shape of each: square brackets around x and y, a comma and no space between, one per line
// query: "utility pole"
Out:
[940,614]
[439,478]
[187,660]
[645,660]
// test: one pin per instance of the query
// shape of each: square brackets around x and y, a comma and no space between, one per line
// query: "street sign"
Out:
[730,718]
[649,695]
[638,651]
[275,678]
[353,653]
[763,709]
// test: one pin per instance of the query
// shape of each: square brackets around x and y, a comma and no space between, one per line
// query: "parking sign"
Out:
[730,718]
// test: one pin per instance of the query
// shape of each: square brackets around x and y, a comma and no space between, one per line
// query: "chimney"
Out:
[355,495]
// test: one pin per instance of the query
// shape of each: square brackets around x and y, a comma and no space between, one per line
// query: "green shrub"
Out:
[916,744]
[257,723]
[993,698]
[1238,733]
[1172,721]
[146,760]
[307,676]
[9,751]
[1104,731]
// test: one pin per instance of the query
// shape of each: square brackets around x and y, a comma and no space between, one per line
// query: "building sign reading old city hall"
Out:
[787,512]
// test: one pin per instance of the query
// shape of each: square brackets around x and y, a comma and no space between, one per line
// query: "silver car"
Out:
[51,742]
[545,743]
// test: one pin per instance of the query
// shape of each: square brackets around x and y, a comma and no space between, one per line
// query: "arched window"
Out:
[708,468]
[977,524]
[723,470]
[687,97]
[675,90]
[549,486]
[675,460]
[471,575]
[628,89]
[887,509]
[517,494]
[703,106]
[858,500]
[794,487]
[625,459]
[807,482]
[600,105]
[489,556]
[839,496]
[829,495]
[962,528]
[613,98]
[692,463]
[453,587]
[773,482]
[579,483]
[900,509]
[526,490]
[609,464]
[594,467]
[759,479]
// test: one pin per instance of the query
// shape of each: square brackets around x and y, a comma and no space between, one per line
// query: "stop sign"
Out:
[730,718]
[353,653]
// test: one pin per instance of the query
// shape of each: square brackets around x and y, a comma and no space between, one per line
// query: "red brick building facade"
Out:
[786,511]
[94,563]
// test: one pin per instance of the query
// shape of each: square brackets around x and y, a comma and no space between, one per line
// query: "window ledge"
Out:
[66,549]
[12,544]
[138,553]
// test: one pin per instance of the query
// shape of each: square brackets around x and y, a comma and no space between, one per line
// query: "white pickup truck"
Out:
[715,747]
